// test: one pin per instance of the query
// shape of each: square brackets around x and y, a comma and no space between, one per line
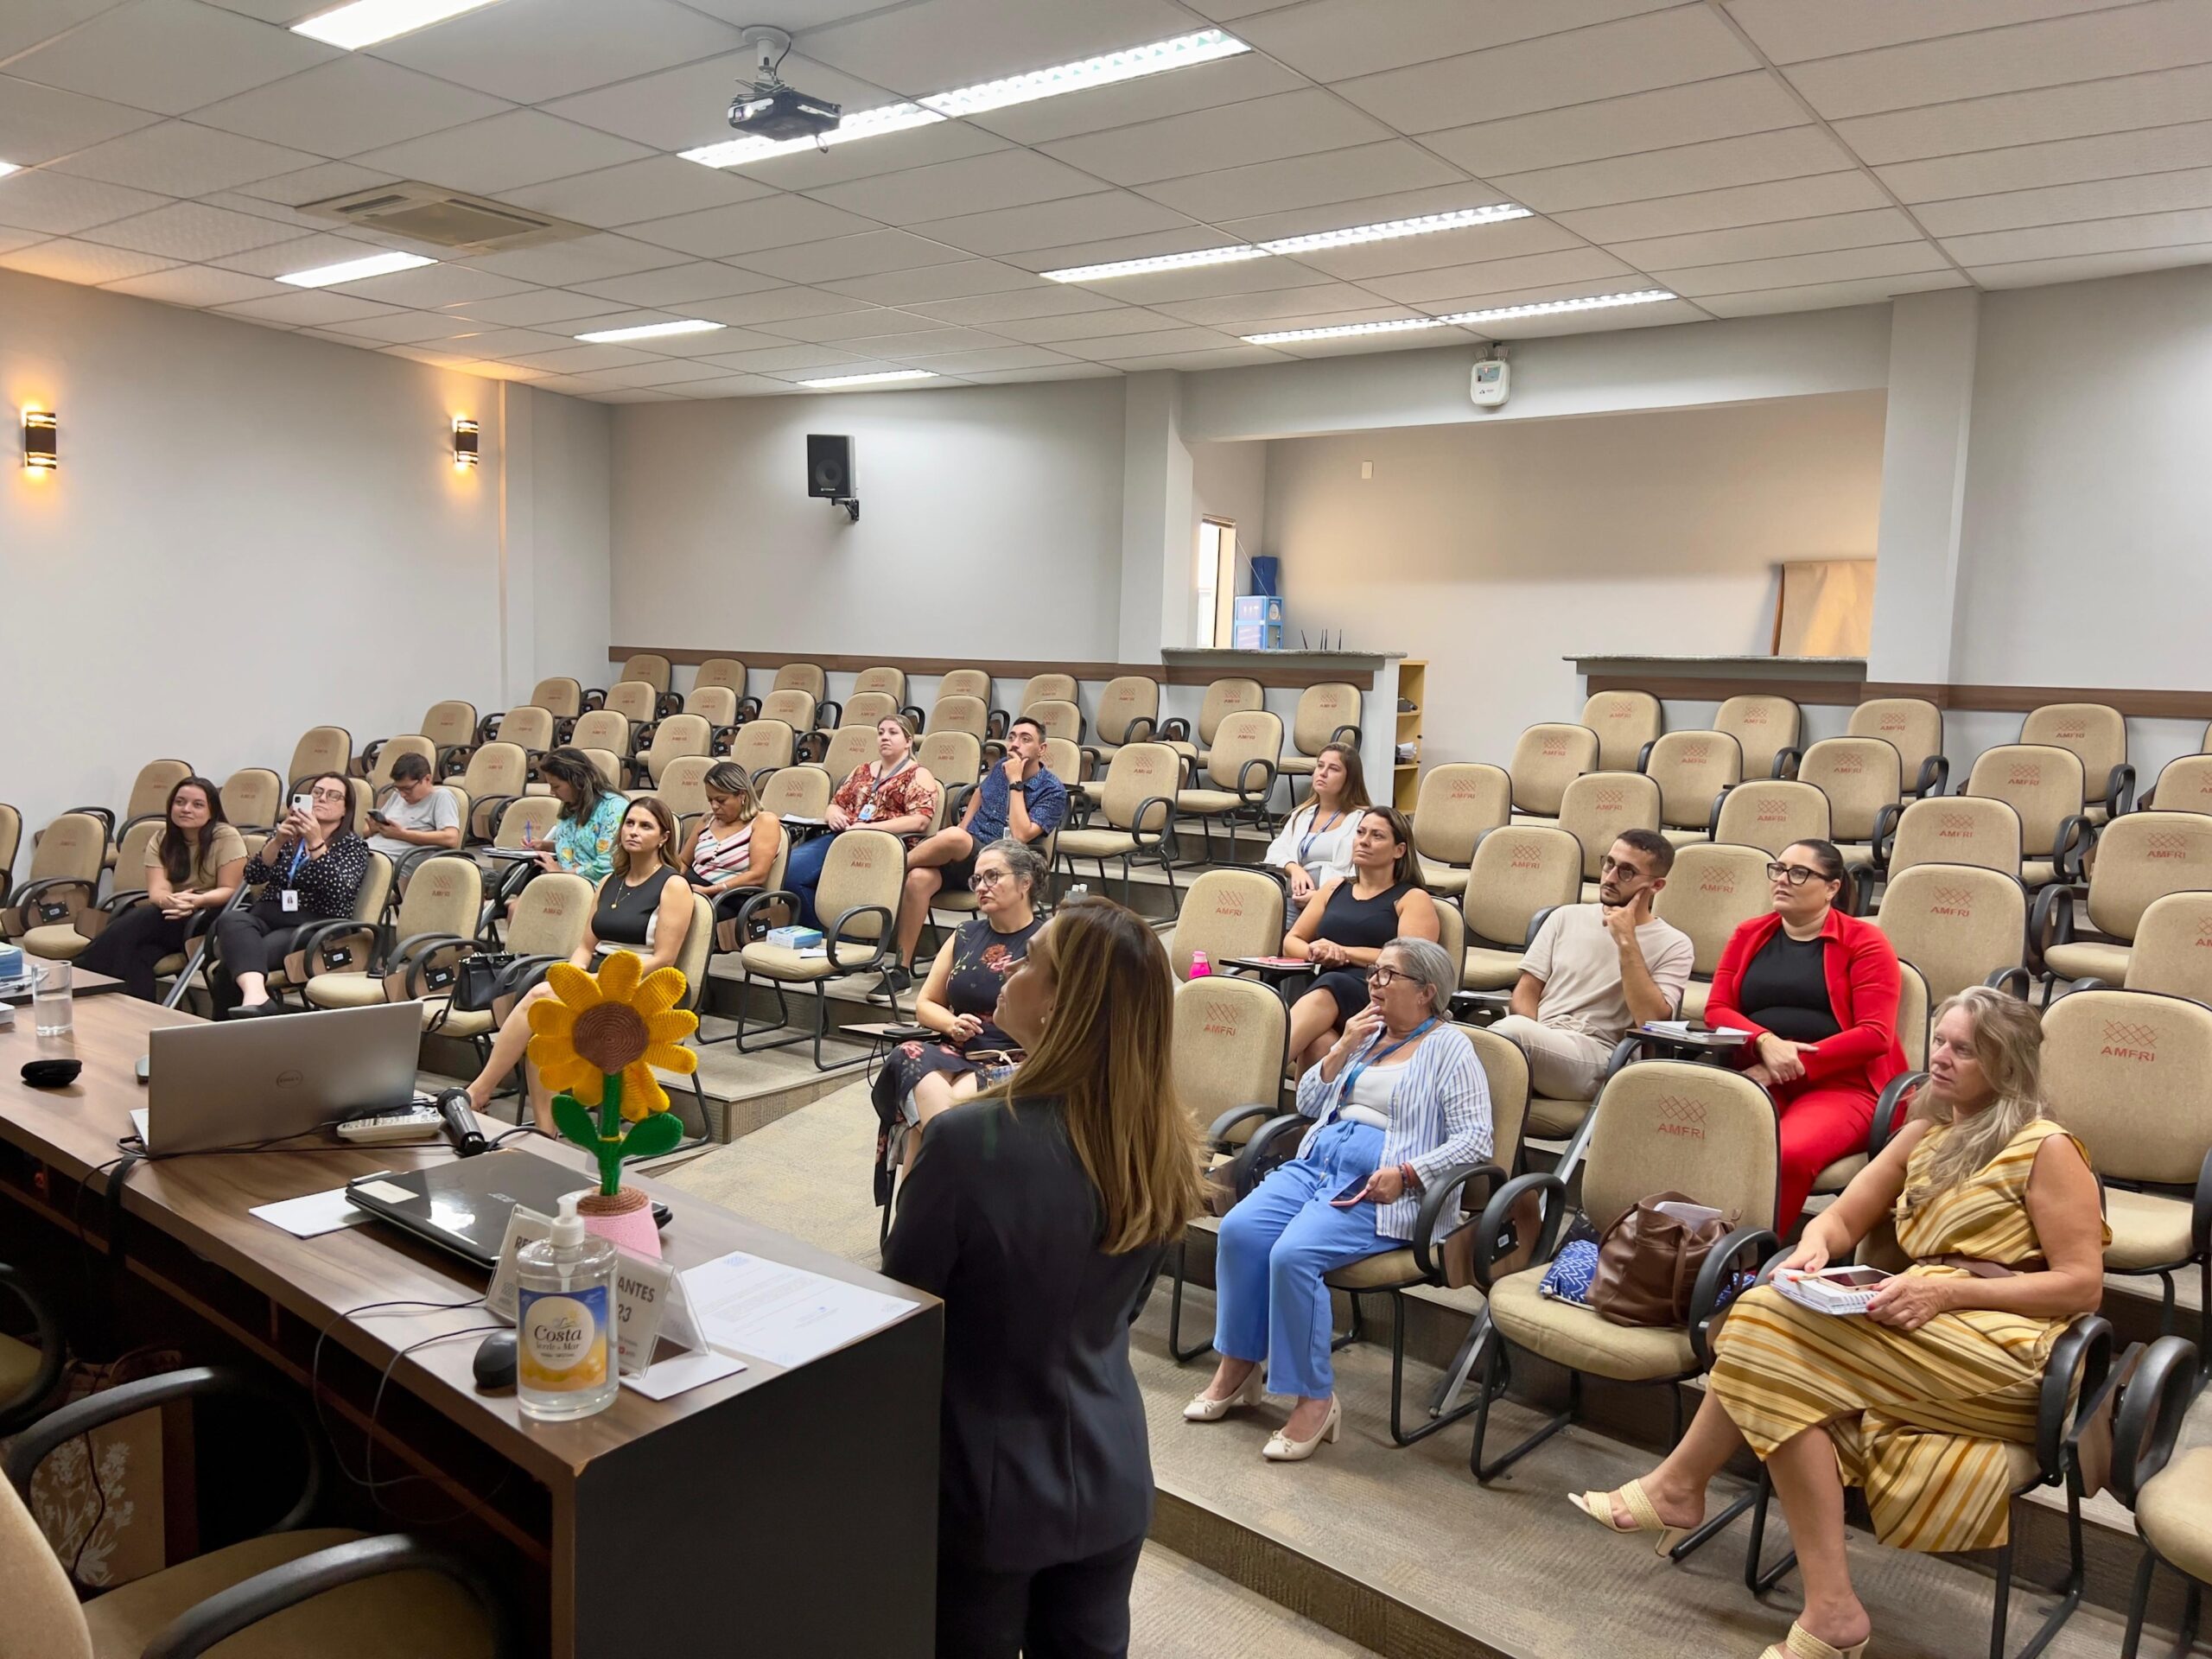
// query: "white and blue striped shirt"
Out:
[1440,1116]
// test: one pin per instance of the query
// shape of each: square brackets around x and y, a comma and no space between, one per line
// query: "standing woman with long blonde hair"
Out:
[1039,1212]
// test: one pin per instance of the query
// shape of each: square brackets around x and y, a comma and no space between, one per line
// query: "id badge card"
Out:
[290,901]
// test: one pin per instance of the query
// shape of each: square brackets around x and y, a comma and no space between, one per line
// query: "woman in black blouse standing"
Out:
[310,870]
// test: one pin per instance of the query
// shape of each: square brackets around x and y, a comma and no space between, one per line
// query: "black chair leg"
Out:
[1758,1583]
[1494,1375]
[2138,1606]
[2068,1591]
[1183,1355]
[1444,1419]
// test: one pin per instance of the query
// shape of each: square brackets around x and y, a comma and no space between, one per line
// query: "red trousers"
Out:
[1820,1122]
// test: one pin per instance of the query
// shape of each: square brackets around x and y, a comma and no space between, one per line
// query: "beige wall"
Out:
[1494,552]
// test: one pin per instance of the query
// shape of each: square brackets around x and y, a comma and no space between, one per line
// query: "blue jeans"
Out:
[803,875]
[1275,1246]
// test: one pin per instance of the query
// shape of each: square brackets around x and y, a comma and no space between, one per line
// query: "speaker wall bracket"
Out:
[851,503]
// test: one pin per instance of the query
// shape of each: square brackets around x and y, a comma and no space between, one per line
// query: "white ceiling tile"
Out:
[1659,48]
[1049,331]
[180,159]
[1119,248]
[56,202]
[746,226]
[858,365]
[661,372]
[1818,235]
[431,286]
[191,230]
[737,386]
[2067,161]
[581,359]
[844,324]
[22,27]
[283,12]
[302,253]
[660,187]
[587,258]
[1840,266]
[1466,247]
[916,342]
[40,122]
[1714,210]
[1367,210]
[1074,370]
[783,357]
[1308,319]
[343,108]
[997,357]
[510,342]
[891,152]
[1152,98]
[1276,187]
[1726,108]
[961,279]
[169,56]
[199,285]
[1822,296]
[634,395]
[1264,129]
[2093,46]
[2125,103]
[537,305]
[1336,39]
[1794,152]
[2089,236]
[522,147]
[704,279]
[1150,343]
[1216,311]
[793,15]
[309,309]
[1789,31]
[850,256]
[404,328]
[1055,224]
[1222,356]
[492,370]
[2087,267]
[681,108]
[2060,204]
[11,240]
[437,357]
[1442,290]
[71,261]
[1598,322]
[1005,178]
[777,305]
[1252,277]
[948,43]
[1054,299]
[533,50]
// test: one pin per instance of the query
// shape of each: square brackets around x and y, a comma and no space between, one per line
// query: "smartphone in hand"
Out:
[1350,1196]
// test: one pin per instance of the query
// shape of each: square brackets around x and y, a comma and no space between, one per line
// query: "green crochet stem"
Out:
[609,1149]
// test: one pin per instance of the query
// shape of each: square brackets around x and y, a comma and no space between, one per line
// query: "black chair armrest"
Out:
[1244,790]
[1643,756]
[912,714]
[310,939]
[2079,1360]
[833,935]
[1886,834]
[810,749]
[1434,1202]
[1175,731]
[105,814]
[521,974]
[1627,1049]
[997,723]
[1495,1234]
[1712,818]
[2119,790]
[487,729]
[1217,1131]
[829,713]
[1345,733]
[2070,848]
[2051,922]
[420,956]
[721,740]
[758,901]
[668,703]
[225,1613]
[116,903]
[1141,728]
[1935,778]
[2152,1407]
[53,1350]
[39,895]
[1275,1142]
[2014,981]
[1890,1110]
[1537,926]
[2199,1213]
[1719,1268]
[747,708]
[1166,832]
[1786,762]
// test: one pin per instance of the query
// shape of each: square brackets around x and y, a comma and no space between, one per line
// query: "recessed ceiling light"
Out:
[1105,70]
[867,123]
[354,270]
[1426,224]
[6,168]
[1226,256]
[651,330]
[1345,331]
[872,380]
[1457,319]
[366,21]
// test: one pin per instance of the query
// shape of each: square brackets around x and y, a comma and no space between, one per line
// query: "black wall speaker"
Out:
[829,466]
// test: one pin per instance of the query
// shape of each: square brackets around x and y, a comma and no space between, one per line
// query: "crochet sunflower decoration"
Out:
[596,1040]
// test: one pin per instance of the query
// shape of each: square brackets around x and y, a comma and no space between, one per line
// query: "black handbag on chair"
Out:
[477,980]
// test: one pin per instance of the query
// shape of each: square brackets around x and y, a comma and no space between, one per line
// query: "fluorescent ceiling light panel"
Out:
[1390,230]
[1180,53]
[867,123]
[355,270]
[366,21]
[651,330]
[1458,319]
[887,376]
[6,168]
[1345,331]
[1226,256]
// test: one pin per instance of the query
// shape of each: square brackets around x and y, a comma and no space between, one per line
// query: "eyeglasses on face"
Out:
[982,879]
[1383,978]
[1795,875]
[1611,865]
[329,794]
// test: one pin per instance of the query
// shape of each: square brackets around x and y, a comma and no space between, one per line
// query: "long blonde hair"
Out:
[2008,1046]
[1106,1055]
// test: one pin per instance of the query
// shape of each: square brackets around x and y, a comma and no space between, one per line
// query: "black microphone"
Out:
[460,1122]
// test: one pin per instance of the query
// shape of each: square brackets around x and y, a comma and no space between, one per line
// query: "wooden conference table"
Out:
[786,1512]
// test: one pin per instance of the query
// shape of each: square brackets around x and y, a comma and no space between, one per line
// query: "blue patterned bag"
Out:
[1567,1279]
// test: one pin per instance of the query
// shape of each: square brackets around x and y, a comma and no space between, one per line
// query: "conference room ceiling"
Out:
[1749,156]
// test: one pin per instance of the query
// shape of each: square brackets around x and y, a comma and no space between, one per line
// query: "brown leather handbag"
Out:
[1648,1263]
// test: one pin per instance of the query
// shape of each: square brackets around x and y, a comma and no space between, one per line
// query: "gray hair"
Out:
[1023,862]
[1430,964]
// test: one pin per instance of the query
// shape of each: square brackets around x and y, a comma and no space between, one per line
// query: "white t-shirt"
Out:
[1323,853]
[1581,966]
[436,811]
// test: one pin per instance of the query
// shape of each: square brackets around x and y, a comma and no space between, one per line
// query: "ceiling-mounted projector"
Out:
[772,110]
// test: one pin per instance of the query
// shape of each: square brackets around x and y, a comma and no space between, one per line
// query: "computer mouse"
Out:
[495,1363]
[52,1074]
[662,1214]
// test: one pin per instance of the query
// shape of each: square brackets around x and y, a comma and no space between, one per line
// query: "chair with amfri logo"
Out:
[2140,859]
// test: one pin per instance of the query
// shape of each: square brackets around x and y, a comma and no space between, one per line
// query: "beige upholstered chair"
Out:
[1595,808]
[388,754]
[1767,726]
[1958,923]
[1914,1009]
[858,902]
[883,680]
[2172,952]
[1713,889]
[795,708]
[11,841]
[342,941]
[64,879]
[724,672]
[1547,759]
[528,726]
[716,704]
[1627,724]
[604,761]
[253,798]
[448,725]
[547,924]
[1863,778]
[63,941]
[1693,770]
[955,759]
[797,792]
[2140,858]
[1521,873]
[1223,698]
[149,797]
[2042,784]
[435,927]
[674,737]
[866,707]
[2168,1487]
[961,714]
[1772,813]
[2186,786]
[1238,775]
[526,820]
[1460,803]
[2098,734]
[603,728]
[559,695]
[1227,913]
[1135,820]
[849,747]
[966,682]
[1955,830]
[1129,712]
[682,783]
[801,676]
[321,749]
[636,702]
[496,773]
[761,745]
[1038,687]
[1914,727]
[651,667]
[1328,712]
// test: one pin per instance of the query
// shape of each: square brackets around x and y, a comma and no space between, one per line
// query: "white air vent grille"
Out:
[446,219]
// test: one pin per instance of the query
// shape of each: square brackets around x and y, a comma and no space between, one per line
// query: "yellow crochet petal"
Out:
[560,1065]
[572,985]
[641,1092]
[671,1027]
[618,977]
[671,1057]
[551,1017]
[663,988]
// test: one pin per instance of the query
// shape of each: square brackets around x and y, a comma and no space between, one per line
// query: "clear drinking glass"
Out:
[52,1007]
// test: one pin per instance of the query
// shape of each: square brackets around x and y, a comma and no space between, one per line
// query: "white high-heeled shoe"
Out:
[1246,1393]
[1282,1449]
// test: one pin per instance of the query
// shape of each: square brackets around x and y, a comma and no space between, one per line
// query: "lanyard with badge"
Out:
[1314,830]
[875,783]
[1374,1056]
[289,898]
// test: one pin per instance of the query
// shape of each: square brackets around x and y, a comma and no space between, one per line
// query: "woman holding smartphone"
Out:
[308,871]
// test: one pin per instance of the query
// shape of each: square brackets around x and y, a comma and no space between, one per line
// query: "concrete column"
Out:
[1923,484]
[1156,518]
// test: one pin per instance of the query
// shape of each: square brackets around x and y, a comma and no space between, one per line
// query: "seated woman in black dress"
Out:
[644,907]
[921,1079]
[1347,922]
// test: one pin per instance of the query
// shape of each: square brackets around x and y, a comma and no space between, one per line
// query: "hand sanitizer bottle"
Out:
[564,1357]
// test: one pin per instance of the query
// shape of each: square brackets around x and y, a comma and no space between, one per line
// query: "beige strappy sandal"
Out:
[1802,1643]
[1599,1506]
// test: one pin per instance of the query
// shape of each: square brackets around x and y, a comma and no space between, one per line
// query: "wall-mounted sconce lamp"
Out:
[464,443]
[40,436]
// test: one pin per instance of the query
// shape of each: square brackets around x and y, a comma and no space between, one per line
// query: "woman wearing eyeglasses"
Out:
[1817,988]
[1398,1103]
[308,871]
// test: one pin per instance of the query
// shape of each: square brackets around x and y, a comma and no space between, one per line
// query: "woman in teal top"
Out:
[582,841]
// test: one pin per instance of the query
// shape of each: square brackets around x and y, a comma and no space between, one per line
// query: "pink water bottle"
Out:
[1200,968]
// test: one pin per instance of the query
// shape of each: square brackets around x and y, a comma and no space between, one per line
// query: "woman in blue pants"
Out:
[1398,1102]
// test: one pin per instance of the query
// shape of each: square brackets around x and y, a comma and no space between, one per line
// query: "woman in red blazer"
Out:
[1818,991]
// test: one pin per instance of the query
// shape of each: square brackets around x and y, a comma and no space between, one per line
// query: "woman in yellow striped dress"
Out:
[1916,1403]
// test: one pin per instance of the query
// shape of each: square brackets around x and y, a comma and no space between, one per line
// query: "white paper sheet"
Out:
[679,1373]
[782,1315]
[316,1213]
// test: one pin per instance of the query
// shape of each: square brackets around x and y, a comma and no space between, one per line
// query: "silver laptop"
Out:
[242,1082]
